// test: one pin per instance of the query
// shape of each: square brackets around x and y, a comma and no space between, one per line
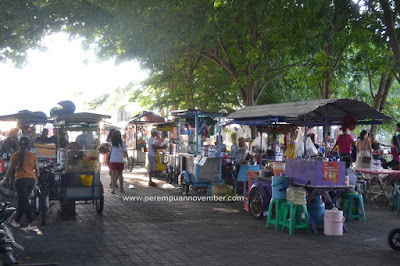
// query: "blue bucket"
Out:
[279,186]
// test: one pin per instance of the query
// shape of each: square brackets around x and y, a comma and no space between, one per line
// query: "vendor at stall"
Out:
[153,147]
[239,153]
[44,137]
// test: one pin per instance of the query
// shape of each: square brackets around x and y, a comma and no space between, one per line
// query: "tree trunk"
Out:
[381,96]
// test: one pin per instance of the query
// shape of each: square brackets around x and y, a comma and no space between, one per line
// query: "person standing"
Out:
[11,143]
[239,154]
[44,137]
[344,143]
[24,166]
[152,155]
[116,165]
[364,151]
[397,130]
[108,140]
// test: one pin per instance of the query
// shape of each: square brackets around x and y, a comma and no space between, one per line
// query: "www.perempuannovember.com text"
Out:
[181,198]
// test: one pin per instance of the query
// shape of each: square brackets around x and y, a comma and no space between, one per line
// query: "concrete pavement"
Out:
[195,233]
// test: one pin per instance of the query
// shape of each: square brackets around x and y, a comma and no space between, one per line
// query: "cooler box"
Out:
[316,173]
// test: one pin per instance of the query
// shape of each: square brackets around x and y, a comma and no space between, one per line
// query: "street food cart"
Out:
[138,128]
[200,164]
[309,113]
[169,156]
[78,160]
[25,121]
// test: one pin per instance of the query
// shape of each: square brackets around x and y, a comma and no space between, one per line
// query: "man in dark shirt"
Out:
[44,137]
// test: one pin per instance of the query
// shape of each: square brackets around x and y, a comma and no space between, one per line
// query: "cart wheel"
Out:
[42,208]
[394,239]
[256,203]
[184,185]
[100,204]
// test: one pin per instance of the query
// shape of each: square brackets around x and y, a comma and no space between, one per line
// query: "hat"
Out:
[154,130]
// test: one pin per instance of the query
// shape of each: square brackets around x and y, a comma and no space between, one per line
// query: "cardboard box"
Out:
[45,150]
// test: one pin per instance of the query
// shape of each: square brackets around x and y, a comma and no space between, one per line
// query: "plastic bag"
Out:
[310,148]
[255,146]
[289,153]
[299,148]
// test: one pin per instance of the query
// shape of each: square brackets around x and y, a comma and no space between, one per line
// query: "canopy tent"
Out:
[26,118]
[146,118]
[79,120]
[316,113]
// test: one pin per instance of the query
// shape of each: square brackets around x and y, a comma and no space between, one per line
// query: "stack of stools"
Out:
[295,209]
[357,199]
[278,201]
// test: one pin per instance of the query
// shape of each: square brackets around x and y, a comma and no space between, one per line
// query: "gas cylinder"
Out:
[316,209]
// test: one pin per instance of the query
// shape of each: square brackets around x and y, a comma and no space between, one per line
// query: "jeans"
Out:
[24,189]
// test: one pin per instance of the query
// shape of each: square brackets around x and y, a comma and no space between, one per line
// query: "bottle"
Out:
[347,180]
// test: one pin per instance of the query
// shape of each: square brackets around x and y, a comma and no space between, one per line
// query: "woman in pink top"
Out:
[364,149]
[344,143]
[395,154]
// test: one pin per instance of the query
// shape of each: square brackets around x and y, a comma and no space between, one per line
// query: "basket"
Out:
[87,180]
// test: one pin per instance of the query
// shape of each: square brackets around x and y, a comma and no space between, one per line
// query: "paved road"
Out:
[196,233]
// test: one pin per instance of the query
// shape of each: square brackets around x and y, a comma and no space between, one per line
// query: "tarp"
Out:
[27,117]
[318,112]
[146,118]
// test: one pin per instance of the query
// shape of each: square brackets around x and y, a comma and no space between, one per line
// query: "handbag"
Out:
[366,159]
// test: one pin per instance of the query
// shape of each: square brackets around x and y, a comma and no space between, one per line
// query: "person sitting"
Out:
[350,171]
[44,137]
[395,162]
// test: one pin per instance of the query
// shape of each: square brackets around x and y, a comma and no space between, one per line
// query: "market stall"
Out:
[137,131]
[200,160]
[169,156]
[78,159]
[310,113]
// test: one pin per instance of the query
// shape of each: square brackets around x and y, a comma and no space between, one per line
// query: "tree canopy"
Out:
[213,54]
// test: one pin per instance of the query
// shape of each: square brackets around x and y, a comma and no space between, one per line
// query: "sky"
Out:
[61,72]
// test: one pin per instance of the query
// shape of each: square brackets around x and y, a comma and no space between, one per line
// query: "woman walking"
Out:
[364,151]
[118,151]
[24,166]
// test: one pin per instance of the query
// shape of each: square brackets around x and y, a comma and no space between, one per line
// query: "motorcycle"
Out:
[394,239]
[7,240]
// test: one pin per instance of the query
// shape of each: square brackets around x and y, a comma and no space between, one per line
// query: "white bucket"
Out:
[333,222]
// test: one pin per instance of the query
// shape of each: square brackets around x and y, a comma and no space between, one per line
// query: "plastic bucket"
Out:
[279,186]
[87,180]
[333,222]
[278,168]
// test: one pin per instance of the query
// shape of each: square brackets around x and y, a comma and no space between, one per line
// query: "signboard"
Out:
[330,171]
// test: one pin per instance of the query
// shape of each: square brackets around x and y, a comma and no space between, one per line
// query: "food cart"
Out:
[309,113]
[200,164]
[78,160]
[138,127]
[169,156]
[25,121]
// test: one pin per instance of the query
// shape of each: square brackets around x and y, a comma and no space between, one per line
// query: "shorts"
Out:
[116,166]
[152,163]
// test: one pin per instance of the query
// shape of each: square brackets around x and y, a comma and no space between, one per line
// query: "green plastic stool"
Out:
[357,200]
[394,199]
[295,220]
[279,205]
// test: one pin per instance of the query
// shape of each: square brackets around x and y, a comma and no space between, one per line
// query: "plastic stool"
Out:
[394,199]
[295,220]
[279,211]
[361,187]
[348,201]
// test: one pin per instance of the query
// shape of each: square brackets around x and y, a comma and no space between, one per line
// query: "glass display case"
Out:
[187,144]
